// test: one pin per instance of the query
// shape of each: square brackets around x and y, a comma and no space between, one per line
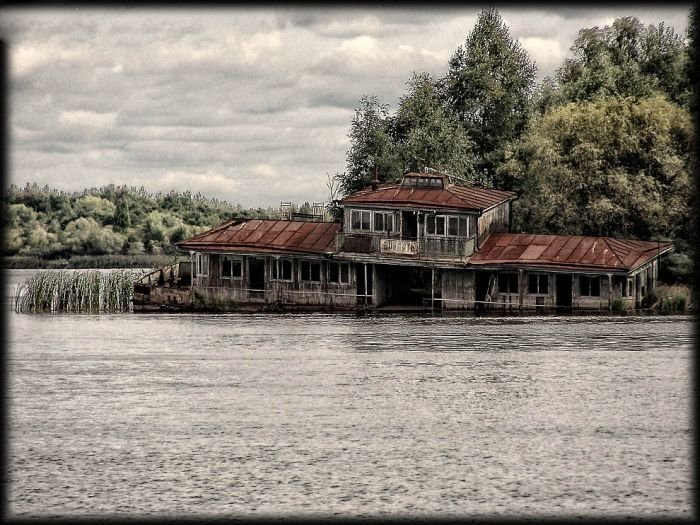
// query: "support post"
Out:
[432,289]
[610,290]
[365,265]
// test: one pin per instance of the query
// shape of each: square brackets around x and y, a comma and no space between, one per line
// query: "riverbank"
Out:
[79,262]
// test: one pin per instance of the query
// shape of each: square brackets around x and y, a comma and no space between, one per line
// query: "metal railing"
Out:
[424,247]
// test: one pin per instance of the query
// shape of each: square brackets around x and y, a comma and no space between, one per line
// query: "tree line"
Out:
[48,223]
[605,148]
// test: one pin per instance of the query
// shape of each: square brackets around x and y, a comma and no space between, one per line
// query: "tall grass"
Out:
[76,291]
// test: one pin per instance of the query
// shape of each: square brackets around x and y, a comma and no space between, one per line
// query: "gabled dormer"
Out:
[423,215]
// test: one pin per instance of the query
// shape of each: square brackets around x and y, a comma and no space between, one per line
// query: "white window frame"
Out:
[202,260]
[446,232]
[387,217]
[361,215]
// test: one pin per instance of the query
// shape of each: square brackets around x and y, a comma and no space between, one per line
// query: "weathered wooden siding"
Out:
[215,292]
[457,289]
[497,219]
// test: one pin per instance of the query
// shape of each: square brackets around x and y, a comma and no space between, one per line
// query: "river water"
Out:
[319,414]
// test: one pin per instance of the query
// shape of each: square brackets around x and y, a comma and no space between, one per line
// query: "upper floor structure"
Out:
[424,216]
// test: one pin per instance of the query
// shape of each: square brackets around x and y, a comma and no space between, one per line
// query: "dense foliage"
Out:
[47,223]
[605,148]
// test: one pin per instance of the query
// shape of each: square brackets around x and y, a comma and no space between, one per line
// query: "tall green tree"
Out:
[489,86]
[425,134]
[370,147]
[626,59]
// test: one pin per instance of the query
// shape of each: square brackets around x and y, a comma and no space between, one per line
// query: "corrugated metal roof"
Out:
[451,196]
[567,251]
[263,235]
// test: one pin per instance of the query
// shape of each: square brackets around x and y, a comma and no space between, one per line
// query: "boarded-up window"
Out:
[507,282]
[538,283]
[589,286]
[338,273]
[311,271]
[231,267]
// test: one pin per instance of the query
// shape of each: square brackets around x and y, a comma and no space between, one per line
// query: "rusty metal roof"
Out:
[263,235]
[567,251]
[451,196]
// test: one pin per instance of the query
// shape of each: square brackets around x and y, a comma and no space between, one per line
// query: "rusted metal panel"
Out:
[570,252]
[451,196]
[266,236]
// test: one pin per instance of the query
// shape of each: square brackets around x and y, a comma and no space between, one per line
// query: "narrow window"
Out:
[440,225]
[202,265]
[378,222]
[389,222]
[453,226]
[365,221]
[355,220]
[463,227]
[430,225]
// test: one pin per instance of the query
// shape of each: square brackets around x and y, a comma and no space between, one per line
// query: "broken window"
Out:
[507,282]
[589,286]
[231,267]
[538,283]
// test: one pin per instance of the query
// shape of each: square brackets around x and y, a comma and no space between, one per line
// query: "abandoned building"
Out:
[421,243]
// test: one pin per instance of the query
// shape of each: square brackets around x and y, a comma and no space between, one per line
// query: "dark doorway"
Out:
[409,225]
[256,269]
[364,294]
[409,286]
[482,281]
[563,282]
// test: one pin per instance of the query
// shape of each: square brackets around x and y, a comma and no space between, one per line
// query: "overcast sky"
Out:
[249,106]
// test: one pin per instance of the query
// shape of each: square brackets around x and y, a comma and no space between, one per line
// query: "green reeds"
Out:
[77,291]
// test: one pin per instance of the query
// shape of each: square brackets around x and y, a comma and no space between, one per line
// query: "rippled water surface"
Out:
[139,414]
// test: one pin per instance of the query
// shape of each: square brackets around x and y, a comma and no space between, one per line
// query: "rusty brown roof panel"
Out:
[449,197]
[565,251]
[266,236]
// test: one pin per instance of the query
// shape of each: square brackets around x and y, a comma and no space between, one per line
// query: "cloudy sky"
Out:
[249,106]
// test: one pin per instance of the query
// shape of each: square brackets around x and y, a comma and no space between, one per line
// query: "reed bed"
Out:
[77,291]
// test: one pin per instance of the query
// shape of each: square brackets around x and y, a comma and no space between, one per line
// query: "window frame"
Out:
[339,266]
[589,280]
[307,267]
[462,223]
[277,273]
[510,276]
[202,262]
[387,220]
[540,278]
[361,214]
[232,259]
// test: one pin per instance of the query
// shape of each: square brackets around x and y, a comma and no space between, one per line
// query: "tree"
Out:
[489,86]
[626,59]
[614,167]
[425,134]
[370,147]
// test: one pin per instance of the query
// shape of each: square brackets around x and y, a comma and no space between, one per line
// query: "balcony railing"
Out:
[420,248]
